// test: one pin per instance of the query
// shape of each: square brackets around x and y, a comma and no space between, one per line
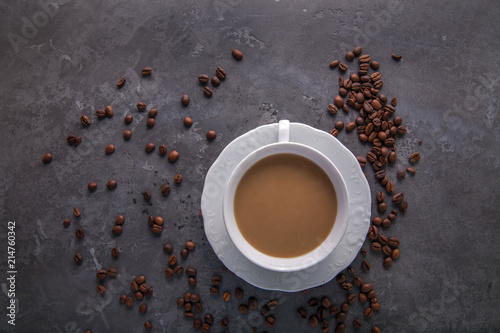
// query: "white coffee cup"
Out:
[332,240]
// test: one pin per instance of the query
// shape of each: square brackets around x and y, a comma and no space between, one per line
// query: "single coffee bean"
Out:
[325,301]
[376,246]
[238,293]
[386,223]
[272,304]
[190,245]
[205,327]
[313,321]
[85,120]
[395,254]
[390,187]
[127,134]
[101,289]
[401,174]
[343,92]
[92,186]
[253,304]
[362,161]
[339,125]
[302,313]
[115,253]
[47,158]
[109,149]
[214,290]
[380,196]
[197,323]
[100,113]
[349,56]
[221,73]
[215,81]
[338,101]
[237,54]
[120,220]
[357,50]
[109,111]
[168,248]
[78,257]
[165,189]
[185,100]
[66,223]
[411,170]
[198,307]
[190,271]
[332,108]
[391,217]
[143,308]
[129,301]
[211,135]
[172,260]
[386,250]
[343,66]
[368,312]
[403,207]
[358,281]
[203,78]
[351,298]
[112,272]
[382,240]
[111,185]
[192,281]
[341,278]
[71,139]
[381,207]
[163,150]
[340,328]
[334,64]
[345,307]
[357,323]
[350,126]
[173,156]
[217,280]
[346,286]
[149,147]
[313,302]
[188,314]
[398,198]
[128,119]
[76,211]
[146,195]
[148,326]
[101,274]
[140,279]
[188,122]
[141,106]
[341,316]
[270,321]
[396,57]
[184,253]
[362,297]
[178,270]
[334,310]
[169,272]
[117,229]
[414,157]
[224,322]
[79,233]
[150,123]
[387,262]
[123,298]
[121,82]
[351,270]
[159,220]
[226,296]
[146,71]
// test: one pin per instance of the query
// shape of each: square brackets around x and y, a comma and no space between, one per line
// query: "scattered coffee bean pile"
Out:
[375,124]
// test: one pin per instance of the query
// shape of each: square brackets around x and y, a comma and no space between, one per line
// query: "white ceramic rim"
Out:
[326,247]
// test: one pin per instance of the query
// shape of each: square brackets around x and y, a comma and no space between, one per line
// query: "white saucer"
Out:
[359,215]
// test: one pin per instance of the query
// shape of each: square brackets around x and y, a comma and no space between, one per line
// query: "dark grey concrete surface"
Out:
[57,64]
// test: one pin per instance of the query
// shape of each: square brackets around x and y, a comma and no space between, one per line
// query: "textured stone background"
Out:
[447,278]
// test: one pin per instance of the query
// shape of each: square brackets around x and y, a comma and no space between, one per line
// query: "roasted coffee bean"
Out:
[313,321]
[115,253]
[112,272]
[365,58]
[214,290]
[350,126]
[376,221]
[190,271]
[117,229]
[362,297]
[71,139]
[47,158]
[380,196]
[128,119]
[149,292]
[215,81]
[386,223]
[121,82]
[205,327]
[332,108]
[195,298]
[188,122]
[173,156]
[190,245]
[403,207]
[192,281]
[351,270]
[150,123]
[109,149]
[375,306]
[169,272]
[390,187]
[395,254]
[138,295]
[253,304]
[387,262]
[351,298]
[357,323]
[188,314]
[108,110]
[384,181]
[203,78]
[343,92]
[338,101]
[349,56]
[343,66]
[339,125]
[243,308]
[346,286]
[226,296]
[272,304]
[149,147]
[341,278]
[123,298]
[100,113]
[141,106]
[127,134]
[148,326]
[168,248]
[340,328]
[358,281]
[76,211]
[101,274]
[184,253]
[357,50]
[79,233]
[221,73]
[401,174]
[146,195]
[376,246]
[341,316]
[313,302]
[224,322]
[368,312]
[198,307]
[178,270]
[237,54]
[185,100]
[382,240]
[398,198]
[216,280]
[325,301]
[140,279]
[101,289]
[120,219]
[392,157]
[159,220]
[361,160]
[381,207]
[146,71]
[396,57]
[129,301]
[165,189]
[302,313]
[211,135]
[111,184]
[172,260]
[334,310]
[373,232]
[380,174]
[78,257]
[92,186]
[386,250]
[238,292]
[66,223]
[414,157]
[334,64]
[375,65]
[143,308]
[85,120]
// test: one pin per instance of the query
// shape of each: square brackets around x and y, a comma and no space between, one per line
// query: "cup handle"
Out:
[284,131]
